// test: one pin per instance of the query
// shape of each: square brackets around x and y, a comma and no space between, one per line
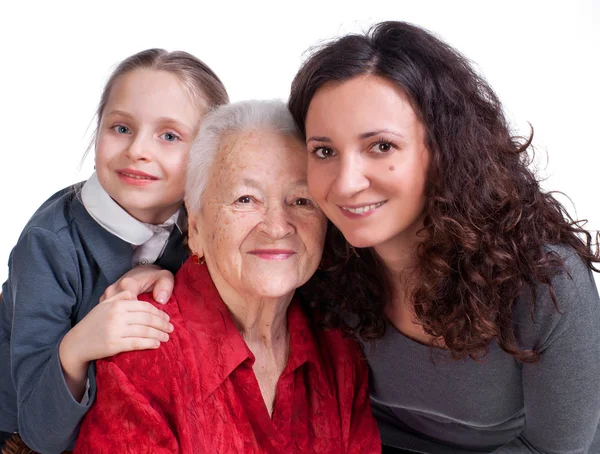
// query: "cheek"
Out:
[227,235]
[405,177]
[177,168]
[419,178]
[107,147]
[102,162]
[318,180]
[101,151]
[314,233]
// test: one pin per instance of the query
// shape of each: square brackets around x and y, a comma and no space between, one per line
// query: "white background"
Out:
[542,57]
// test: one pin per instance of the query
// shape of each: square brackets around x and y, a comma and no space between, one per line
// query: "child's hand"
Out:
[117,324]
[144,278]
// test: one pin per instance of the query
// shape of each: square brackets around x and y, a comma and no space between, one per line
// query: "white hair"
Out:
[244,116]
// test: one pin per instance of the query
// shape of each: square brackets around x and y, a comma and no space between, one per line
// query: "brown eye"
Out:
[244,199]
[384,147]
[301,201]
[323,152]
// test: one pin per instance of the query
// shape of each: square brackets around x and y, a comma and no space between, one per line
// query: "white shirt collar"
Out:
[115,219]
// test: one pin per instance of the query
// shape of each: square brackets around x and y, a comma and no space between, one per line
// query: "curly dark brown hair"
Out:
[486,223]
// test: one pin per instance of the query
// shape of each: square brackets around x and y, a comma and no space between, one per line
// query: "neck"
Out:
[261,322]
[399,254]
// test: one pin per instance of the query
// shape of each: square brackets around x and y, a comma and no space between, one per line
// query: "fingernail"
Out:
[171,327]
[162,297]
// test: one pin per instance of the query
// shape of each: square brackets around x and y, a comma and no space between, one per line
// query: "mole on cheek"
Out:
[392,168]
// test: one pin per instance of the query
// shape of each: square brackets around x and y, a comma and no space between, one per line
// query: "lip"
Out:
[136,177]
[272,254]
[361,211]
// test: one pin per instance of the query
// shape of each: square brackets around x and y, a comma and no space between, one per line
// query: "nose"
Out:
[351,177]
[139,148]
[277,223]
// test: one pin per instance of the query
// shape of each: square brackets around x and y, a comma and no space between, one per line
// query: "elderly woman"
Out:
[246,369]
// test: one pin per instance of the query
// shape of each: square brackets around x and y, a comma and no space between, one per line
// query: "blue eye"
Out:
[121,129]
[170,137]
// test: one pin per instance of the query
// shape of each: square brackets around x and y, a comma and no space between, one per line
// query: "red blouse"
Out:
[197,393]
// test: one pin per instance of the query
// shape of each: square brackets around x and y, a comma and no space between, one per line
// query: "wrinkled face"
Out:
[144,138]
[367,161]
[258,228]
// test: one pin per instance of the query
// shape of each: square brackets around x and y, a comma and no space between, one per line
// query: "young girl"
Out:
[475,284]
[85,237]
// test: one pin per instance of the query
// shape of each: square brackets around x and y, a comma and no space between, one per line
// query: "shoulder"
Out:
[55,214]
[47,239]
[153,363]
[572,300]
[171,307]
[572,289]
[576,276]
[337,348]
[335,341]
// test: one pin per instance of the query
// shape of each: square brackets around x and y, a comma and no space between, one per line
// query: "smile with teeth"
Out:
[137,177]
[363,209]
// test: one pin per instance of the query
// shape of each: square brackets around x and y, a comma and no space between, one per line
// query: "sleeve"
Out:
[361,433]
[43,282]
[123,419]
[561,393]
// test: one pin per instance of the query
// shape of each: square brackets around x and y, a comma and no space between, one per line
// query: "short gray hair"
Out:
[244,116]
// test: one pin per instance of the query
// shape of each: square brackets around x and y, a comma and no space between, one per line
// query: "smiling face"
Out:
[368,162]
[258,228]
[144,137]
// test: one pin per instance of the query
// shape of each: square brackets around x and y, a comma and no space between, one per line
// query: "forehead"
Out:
[363,102]
[262,151]
[149,90]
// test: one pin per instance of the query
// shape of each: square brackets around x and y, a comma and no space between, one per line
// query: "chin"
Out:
[276,295]
[360,241]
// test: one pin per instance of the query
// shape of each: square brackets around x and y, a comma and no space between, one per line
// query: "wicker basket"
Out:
[14,445]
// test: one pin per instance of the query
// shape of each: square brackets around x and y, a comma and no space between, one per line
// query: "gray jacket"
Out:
[61,265]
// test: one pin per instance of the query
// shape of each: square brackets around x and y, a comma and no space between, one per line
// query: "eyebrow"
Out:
[364,135]
[251,183]
[257,184]
[319,139]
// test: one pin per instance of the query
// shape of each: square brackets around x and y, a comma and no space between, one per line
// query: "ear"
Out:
[195,235]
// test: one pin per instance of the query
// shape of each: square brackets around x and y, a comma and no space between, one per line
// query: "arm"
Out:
[562,392]
[123,418]
[50,359]
[43,282]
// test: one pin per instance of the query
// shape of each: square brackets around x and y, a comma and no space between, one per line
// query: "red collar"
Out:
[219,342]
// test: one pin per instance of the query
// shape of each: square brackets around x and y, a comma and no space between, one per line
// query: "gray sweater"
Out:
[429,403]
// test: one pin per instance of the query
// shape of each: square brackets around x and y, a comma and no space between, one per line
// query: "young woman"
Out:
[475,285]
[85,237]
